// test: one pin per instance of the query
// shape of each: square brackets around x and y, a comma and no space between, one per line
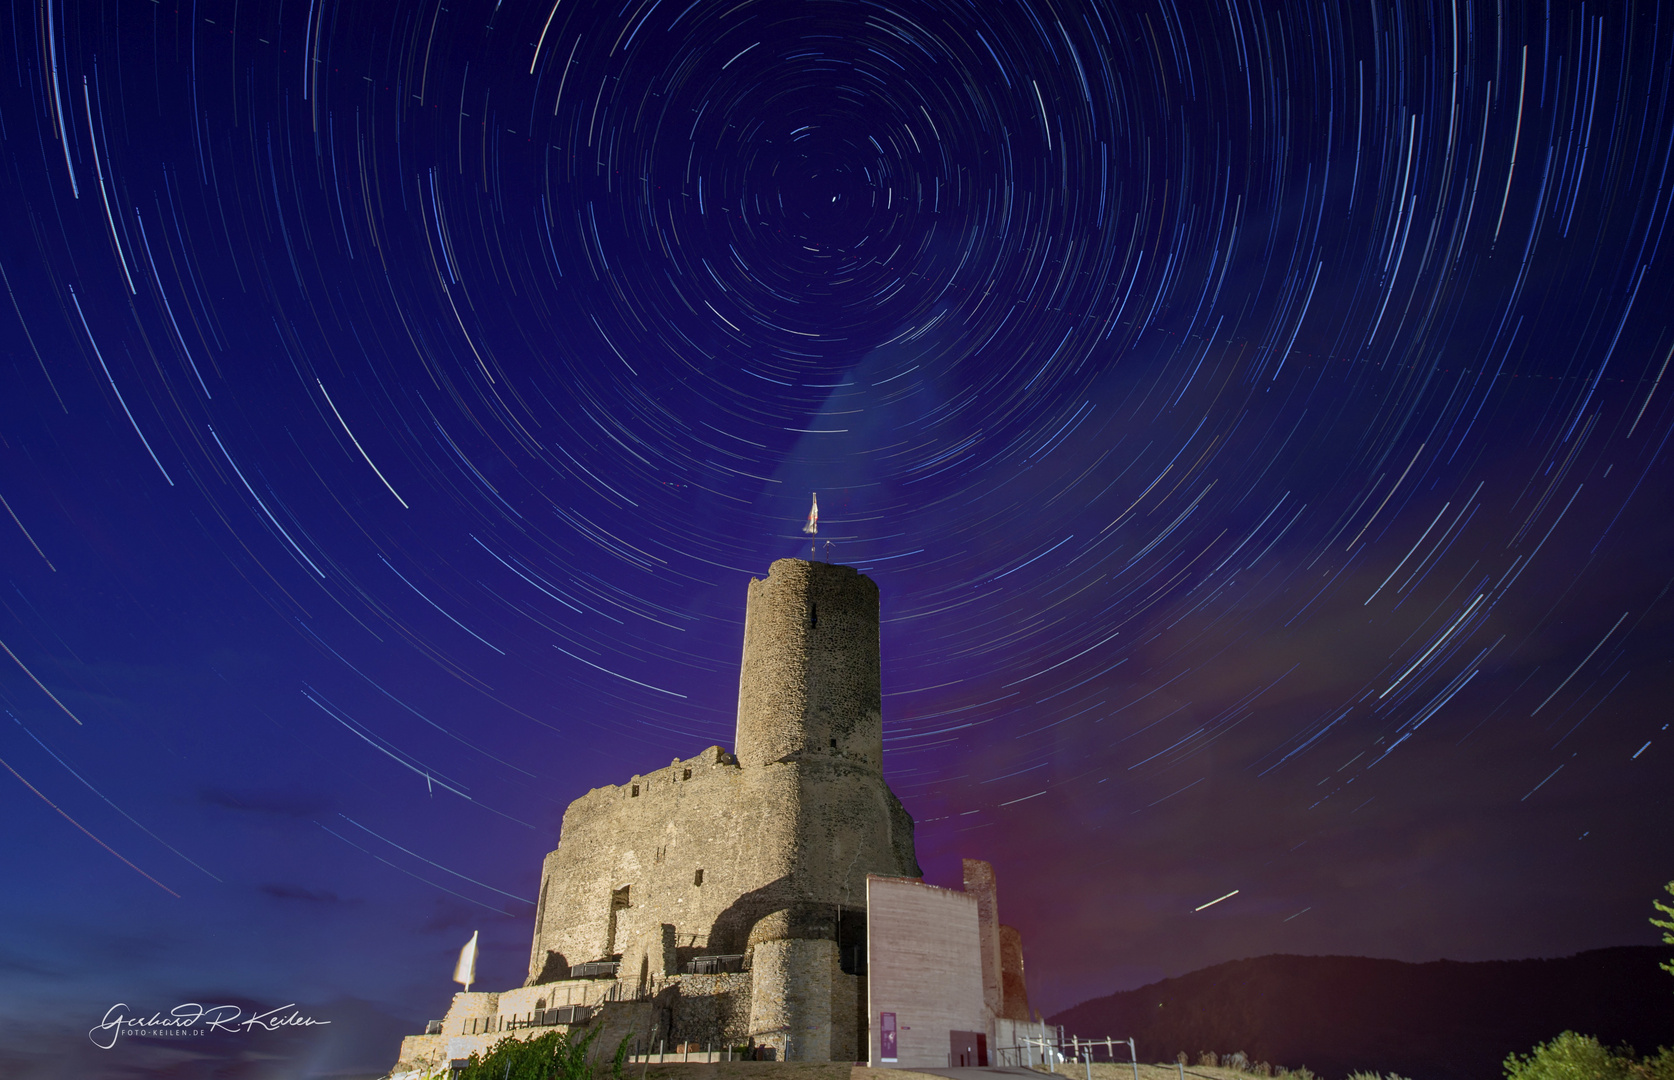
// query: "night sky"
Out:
[1253,415]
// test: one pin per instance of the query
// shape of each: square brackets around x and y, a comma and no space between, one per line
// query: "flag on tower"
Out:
[813,525]
[466,970]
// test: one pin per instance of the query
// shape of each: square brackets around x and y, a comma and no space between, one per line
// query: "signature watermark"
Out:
[191,1019]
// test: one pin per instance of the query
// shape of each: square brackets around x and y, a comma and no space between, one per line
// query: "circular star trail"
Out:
[1256,418]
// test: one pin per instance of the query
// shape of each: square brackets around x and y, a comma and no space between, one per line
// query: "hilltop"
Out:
[1444,1020]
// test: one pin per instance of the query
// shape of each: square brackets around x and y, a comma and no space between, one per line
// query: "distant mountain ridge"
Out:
[1444,1020]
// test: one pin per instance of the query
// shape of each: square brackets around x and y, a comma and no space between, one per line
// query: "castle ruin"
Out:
[723,901]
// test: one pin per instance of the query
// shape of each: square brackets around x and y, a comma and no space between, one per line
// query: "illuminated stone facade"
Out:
[721,901]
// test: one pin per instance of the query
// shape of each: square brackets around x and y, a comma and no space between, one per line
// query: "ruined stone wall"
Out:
[467,1007]
[981,884]
[712,1010]
[765,854]
[764,840]
[677,846]
[1015,992]
[755,854]
[799,817]
[848,1017]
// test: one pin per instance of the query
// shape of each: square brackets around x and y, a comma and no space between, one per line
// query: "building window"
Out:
[635,793]
[686,774]
[813,616]
[697,878]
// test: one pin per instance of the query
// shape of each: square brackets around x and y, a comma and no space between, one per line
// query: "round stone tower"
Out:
[810,747]
[810,682]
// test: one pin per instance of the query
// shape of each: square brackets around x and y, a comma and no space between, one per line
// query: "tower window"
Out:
[686,775]
[635,793]
[813,616]
[834,744]
[697,878]
[618,901]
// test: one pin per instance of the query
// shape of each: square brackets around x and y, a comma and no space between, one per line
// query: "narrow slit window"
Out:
[697,878]
[635,793]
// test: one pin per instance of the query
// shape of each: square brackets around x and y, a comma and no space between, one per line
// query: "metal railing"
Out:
[707,1053]
[714,965]
[596,969]
[1048,1053]
[488,1025]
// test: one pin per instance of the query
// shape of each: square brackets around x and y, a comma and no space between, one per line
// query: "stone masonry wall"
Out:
[1016,994]
[752,854]
[980,883]
[711,844]
[629,861]
[764,854]
[712,1010]
[810,681]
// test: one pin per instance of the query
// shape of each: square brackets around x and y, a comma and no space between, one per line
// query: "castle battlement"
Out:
[678,771]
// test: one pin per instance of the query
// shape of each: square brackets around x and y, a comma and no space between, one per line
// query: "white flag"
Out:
[466,970]
[813,525]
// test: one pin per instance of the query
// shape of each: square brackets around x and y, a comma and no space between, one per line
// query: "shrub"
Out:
[554,1056]
[1660,1067]
[1572,1057]
[1208,1059]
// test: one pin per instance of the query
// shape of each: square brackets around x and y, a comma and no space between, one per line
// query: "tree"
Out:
[1667,925]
